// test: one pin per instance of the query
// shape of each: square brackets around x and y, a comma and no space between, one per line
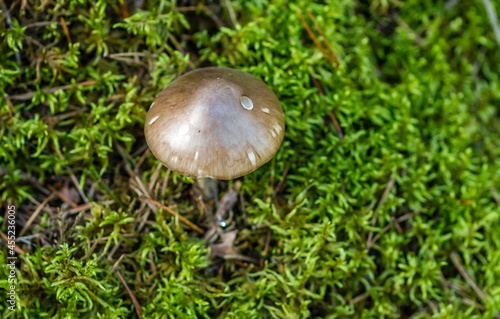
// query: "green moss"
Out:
[416,169]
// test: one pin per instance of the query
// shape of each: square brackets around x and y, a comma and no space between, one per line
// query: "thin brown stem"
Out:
[165,182]
[337,125]
[389,226]
[388,189]
[35,214]
[173,213]
[333,54]
[66,31]
[63,197]
[461,269]
[28,95]
[78,188]
[313,37]
[134,300]
[16,248]
[281,182]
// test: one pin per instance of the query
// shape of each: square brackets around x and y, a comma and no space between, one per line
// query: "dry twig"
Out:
[360,298]
[78,188]
[8,23]
[165,182]
[313,37]
[330,113]
[151,258]
[66,31]
[395,223]
[281,182]
[333,54]
[42,24]
[173,213]
[16,248]
[134,300]
[332,57]
[337,125]
[28,95]
[230,10]
[460,268]
[141,160]
[63,197]
[35,214]
[154,178]
[390,185]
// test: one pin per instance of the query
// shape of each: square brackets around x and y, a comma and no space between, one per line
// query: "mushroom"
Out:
[215,122]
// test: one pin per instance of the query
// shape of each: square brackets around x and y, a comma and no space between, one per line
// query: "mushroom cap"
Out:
[215,122]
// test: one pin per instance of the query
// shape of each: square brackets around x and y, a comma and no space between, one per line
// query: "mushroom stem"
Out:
[209,187]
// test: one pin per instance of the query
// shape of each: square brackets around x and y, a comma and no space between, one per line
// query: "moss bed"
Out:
[382,202]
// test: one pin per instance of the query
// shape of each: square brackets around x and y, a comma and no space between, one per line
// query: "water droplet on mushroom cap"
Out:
[210,121]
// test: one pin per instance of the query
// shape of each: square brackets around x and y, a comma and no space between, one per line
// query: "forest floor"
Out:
[382,202]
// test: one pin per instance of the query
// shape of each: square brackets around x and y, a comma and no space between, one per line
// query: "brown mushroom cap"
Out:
[215,122]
